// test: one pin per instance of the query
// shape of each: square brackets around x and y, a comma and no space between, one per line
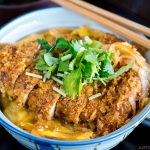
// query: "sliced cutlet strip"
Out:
[93,108]
[97,106]
[29,47]
[123,105]
[24,85]
[7,52]
[42,100]
[14,66]
[10,72]
[115,96]
[70,109]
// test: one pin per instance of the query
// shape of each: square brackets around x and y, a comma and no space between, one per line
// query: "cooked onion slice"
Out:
[144,75]
[133,104]
[126,49]
[52,110]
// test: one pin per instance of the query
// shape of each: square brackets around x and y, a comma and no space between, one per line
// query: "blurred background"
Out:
[136,10]
[10,9]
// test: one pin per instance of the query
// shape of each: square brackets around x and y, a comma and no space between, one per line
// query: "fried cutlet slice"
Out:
[14,60]
[24,85]
[115,99]
[70,109]
[42,100]
[10,72]
[7,52]
[123,104]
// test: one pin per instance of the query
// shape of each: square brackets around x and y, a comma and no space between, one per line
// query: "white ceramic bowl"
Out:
[38,21]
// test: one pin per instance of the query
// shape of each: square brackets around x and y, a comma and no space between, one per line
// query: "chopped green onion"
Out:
[60,91]
[87,40]
[95,78]
[60,74]
[66,72]
[67,57]
[44,79]
[84,83]
[47,75]
[81,42]
[57,80]
[34,75]
[103,80]
[71,65]
[94,96]
[82,49]
[66,52]
[39,47]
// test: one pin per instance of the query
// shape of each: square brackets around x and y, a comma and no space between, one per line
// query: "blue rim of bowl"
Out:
[39,140]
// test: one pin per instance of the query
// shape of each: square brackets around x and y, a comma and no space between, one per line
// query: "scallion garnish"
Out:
[44,79]
[67,57]
[88,40]
[95,96]
[60,75]
[34,75]
[60,91]
[57,80]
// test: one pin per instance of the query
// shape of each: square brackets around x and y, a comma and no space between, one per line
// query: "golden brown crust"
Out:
[110,111]
[113,108]
[10,72]
[71,109]
[24,85]
[42,99]
[14,60]
[7,52]
[108,38]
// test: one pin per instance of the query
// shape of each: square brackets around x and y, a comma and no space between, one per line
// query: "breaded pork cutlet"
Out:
[14,60]
[71,109]
[42,100]
[7,52]
[123,104]
[24,85]
[114,107]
